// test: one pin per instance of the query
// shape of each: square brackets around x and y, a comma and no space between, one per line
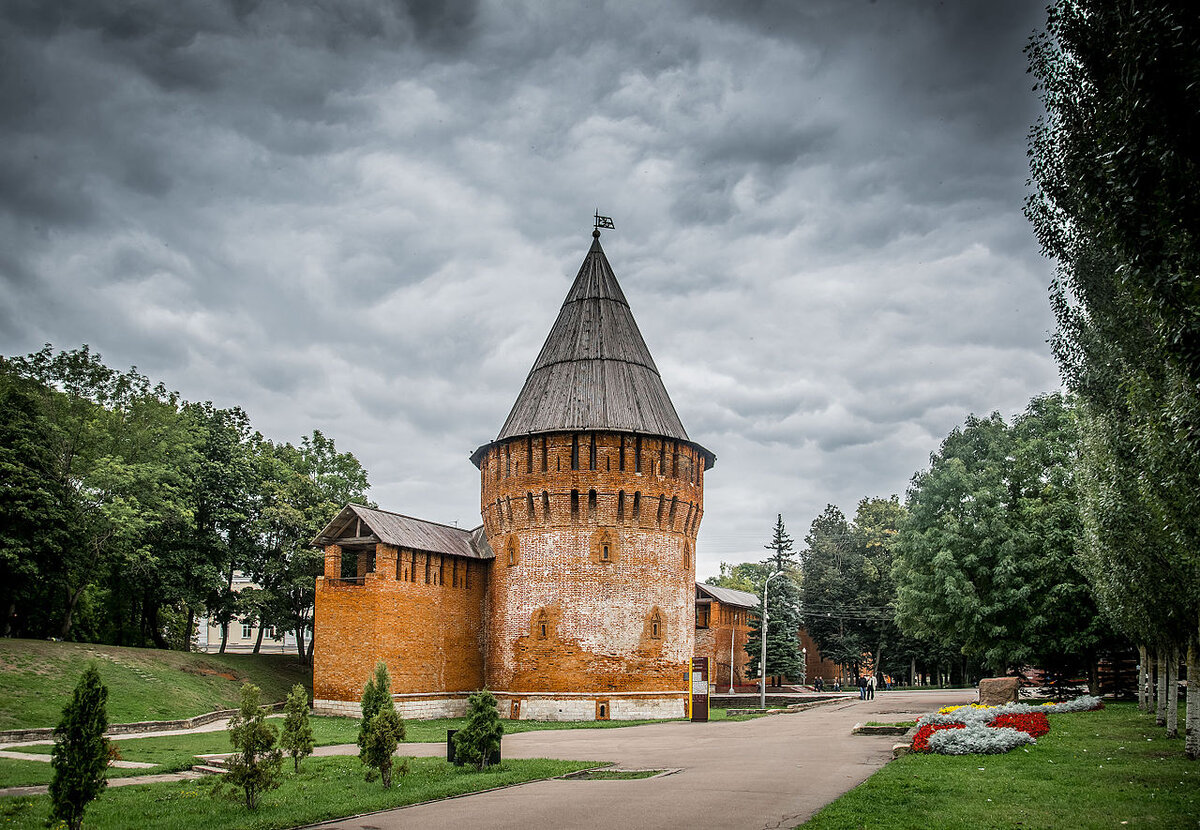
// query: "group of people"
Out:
[866,686]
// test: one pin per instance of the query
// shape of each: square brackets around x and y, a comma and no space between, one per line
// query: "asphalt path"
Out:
[770,772]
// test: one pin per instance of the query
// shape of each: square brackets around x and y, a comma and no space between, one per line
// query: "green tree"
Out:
[34,506]
[255,764]
[782,618]
[1113,162]
[80,754]
[299,491]
[297,736]
[985,555]
[381,728]
[479,740]
[744,576]
[781,543]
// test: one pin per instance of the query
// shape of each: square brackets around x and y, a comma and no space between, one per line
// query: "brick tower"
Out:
[592,495]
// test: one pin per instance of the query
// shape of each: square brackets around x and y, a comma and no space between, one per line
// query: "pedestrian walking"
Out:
[871,687]
[862,687]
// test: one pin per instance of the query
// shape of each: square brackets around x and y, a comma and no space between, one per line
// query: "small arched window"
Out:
[656,626]
[543,626]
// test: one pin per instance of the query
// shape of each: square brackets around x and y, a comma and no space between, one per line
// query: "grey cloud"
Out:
[363,216]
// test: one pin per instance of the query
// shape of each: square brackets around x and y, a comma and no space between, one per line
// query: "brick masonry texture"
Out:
[593,586]
[430,634]
[591,596]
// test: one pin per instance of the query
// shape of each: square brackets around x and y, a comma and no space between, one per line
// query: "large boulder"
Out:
[996,691]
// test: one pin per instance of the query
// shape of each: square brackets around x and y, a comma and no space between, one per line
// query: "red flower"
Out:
[1035,724]
[921,739]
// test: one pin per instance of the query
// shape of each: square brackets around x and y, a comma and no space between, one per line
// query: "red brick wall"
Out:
[725,623]
[599,613]
[430,634]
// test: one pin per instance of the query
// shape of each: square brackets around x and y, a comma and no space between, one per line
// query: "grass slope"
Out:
[1106,769]
[325,788]
[37,678]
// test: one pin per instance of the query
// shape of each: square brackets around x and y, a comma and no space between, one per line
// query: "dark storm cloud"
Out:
[362,217]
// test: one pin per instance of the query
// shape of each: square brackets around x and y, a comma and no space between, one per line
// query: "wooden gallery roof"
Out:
[726,596]
[594,371]
[358,525]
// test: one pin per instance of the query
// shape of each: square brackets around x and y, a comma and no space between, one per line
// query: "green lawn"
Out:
[37,678]
[325,788]
[1106,769]
[178,752]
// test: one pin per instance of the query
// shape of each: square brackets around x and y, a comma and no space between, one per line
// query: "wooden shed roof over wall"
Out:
[726,596]
[356,524]
[594,372]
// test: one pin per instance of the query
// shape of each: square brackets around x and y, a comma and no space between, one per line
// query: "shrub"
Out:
[297,737]
[479,740]
[254,765]
[81,751]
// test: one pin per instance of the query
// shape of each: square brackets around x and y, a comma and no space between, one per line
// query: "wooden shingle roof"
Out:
[594,371]
[365,525]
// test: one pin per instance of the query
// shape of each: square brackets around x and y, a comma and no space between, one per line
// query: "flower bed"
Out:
[978,740]
[1033,724]
[921,739]
[976,729]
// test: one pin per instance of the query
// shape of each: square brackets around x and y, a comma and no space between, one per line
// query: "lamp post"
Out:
[762,657]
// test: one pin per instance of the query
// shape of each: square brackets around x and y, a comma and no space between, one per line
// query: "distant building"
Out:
[243,631]
[723,618]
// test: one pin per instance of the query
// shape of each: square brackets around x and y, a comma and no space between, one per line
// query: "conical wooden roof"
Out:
[594,371]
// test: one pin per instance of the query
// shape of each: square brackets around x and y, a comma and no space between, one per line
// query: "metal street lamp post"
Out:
[762,656]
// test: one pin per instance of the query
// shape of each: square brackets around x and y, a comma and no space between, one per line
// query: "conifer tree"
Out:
[381,729]
[297,737]
[783,614]
[781,543]
[254,766]
[377,693]
[80,754]
[479,740]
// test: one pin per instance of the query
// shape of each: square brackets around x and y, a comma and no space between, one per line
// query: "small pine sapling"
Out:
[381,729]
[81,751]
[377,694]
[385,730]
[478,741]
[297,736]
[254,766]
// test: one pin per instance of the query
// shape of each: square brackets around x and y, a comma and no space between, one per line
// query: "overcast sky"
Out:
[362,217]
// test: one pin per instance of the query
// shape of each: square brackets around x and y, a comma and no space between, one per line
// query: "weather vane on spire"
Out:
[603,222]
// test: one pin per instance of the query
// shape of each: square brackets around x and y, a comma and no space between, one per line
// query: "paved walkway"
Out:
[770,772]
